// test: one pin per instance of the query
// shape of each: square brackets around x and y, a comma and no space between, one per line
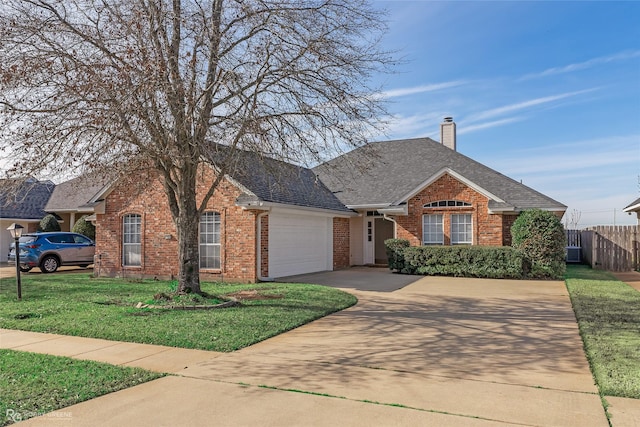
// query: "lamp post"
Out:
[16,233]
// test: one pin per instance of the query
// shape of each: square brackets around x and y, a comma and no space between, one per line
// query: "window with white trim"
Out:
[461,229]
[132,240]
[432,229]
[210,240]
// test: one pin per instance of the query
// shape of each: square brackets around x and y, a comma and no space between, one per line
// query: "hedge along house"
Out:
[428,193]
[271,219]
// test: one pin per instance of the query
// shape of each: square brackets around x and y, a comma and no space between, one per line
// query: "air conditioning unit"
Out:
[574,254]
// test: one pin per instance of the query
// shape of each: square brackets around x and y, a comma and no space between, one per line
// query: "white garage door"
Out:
[299,244]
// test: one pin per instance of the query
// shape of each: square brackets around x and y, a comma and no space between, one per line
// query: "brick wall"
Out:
[159,245]
[488,229]
[264,246]
[507,222]
[341,250]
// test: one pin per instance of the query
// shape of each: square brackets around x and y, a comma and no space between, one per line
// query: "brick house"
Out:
[275,219]
[426,192]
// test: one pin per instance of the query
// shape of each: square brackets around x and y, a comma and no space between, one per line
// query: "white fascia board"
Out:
[282,207]
[369,207]
[504,211]
[517,211]
[20,220]
[395,210]
[80,209]
[433,178]
[632,208]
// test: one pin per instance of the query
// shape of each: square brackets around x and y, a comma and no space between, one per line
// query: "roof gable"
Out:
[454,174]
[264,179]
[260,179]
[77,194]
[386,173]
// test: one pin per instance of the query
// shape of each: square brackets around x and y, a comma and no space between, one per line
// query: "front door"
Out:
[369,240]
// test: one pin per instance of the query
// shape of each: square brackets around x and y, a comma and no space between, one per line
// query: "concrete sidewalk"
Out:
[439,352]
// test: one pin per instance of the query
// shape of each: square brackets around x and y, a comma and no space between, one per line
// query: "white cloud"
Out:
[395,93]
[486,125]
[622,56]
[589,155]
[507,109]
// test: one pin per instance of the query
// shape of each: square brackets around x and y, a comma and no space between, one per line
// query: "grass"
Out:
[608,313]
[34,384]
[77,304]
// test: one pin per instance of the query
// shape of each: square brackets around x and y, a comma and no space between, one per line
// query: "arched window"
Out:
[131,240]
[210,240]
[447,204]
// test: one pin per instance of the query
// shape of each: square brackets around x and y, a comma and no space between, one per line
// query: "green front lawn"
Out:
[34,384]
[608,313]
[77,304]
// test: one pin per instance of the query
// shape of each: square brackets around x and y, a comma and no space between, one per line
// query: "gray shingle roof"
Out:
[73,195]
[381,173]
[24,200]
[636,202]
[275,181]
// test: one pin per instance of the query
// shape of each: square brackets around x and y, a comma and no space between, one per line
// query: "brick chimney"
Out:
[448,133]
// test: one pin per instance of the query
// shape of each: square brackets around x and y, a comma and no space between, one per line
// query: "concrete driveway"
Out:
[9,270]
[438,352]
[376,279]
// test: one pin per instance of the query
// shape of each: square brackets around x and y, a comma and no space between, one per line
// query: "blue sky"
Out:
[545,92]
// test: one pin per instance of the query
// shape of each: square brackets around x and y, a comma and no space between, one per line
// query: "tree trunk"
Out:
[188,254]
[182,202]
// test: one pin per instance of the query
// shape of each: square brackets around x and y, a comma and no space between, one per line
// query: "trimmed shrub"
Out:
[84,227]
[466,261]
[395,253]
[541,237]
[49,223]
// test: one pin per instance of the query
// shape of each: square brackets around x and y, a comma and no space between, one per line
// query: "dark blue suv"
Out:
[48,251]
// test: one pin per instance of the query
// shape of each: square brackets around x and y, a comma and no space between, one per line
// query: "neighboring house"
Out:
[21,203]
[634,207]
[428,193]
[72,199]
[275,219]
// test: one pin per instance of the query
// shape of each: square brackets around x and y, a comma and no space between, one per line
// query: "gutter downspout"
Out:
[395,225]
[259,248]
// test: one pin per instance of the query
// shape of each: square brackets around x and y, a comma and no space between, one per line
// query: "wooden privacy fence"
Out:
[573,238]
[612,248]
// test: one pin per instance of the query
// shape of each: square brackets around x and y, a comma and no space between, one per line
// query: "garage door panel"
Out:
[298,244]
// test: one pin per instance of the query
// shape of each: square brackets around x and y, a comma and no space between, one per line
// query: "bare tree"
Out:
[164,84]
[573,219]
